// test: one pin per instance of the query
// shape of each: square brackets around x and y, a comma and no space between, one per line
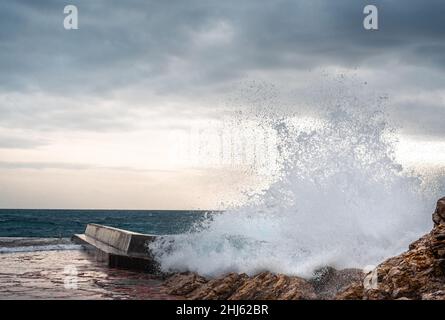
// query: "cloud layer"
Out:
[108,95]
[186,50]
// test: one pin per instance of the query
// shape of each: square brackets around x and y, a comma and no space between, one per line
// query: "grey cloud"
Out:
[87,113]
[14,142]
[123,43]
[43,165]
[421,118]
[155,46]
[46,112]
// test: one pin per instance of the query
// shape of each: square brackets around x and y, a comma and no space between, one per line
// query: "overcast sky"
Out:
[86,115]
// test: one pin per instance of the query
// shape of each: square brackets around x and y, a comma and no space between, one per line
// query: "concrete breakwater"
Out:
[118,248]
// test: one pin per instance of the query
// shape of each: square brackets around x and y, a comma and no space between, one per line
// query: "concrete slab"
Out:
[119,248]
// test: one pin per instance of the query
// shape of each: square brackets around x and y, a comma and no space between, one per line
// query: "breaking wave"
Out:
[341,200]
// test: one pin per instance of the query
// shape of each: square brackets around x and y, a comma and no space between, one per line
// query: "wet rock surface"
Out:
[439,213]
[263,286]
[328,281]
[235,286]
[418,273]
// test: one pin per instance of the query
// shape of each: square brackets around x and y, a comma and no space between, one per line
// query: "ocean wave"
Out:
[342,200]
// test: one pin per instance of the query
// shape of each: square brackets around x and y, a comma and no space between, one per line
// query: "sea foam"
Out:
[342,200]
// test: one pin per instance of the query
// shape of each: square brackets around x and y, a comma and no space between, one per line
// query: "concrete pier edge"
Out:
[118,248]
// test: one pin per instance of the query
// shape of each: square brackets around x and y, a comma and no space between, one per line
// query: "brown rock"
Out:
[439,213]
[219,289]
[418,273]
[438,295]
[328,281]
[352,292]
[263,286]
[182,284]
[268,286]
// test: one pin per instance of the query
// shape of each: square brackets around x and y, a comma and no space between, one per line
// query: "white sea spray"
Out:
[342,200]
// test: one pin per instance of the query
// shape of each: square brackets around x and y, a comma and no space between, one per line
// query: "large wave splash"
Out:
[342,200]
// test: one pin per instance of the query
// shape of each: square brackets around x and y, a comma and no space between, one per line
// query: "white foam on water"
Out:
[341,200]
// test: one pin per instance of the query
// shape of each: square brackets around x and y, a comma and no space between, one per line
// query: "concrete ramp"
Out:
[118,248]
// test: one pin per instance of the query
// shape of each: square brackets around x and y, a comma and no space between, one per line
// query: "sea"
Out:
[44,223]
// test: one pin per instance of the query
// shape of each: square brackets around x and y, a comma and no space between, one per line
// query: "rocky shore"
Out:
[418,273]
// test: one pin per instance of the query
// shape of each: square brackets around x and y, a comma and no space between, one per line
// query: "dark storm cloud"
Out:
[181,47]
[120,43]
[422,118]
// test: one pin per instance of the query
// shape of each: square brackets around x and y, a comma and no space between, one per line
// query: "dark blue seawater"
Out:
[64,223]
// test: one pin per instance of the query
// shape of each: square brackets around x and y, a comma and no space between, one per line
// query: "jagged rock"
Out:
[182,284]
[263,286]
[418,273]
[328,281]
[352,292]
[438,295]
[219,289]
[233,286]
[439,213]
[268,286]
